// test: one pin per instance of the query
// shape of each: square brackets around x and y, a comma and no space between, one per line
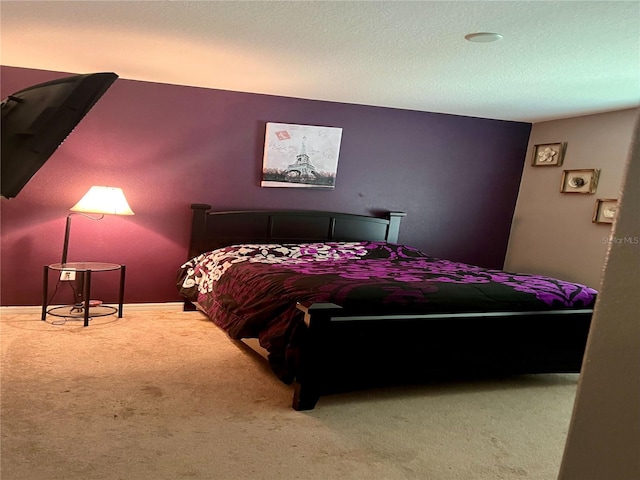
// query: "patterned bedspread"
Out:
[251,291]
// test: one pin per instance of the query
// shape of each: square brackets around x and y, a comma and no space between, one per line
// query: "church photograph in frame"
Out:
[300,156]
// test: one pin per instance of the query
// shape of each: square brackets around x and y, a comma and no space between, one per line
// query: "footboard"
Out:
[344,349]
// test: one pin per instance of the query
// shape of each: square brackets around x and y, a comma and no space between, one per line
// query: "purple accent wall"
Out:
[168,146]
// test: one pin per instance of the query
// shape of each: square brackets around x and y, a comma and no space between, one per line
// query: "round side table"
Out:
[83,272]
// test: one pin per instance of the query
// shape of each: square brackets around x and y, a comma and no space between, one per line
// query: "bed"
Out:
[335,303]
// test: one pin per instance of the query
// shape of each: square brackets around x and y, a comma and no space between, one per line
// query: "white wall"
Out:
[552,233]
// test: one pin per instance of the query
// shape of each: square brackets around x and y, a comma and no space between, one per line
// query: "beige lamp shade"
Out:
[104,200]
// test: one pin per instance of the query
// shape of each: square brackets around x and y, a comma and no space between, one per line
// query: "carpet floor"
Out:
[166,395]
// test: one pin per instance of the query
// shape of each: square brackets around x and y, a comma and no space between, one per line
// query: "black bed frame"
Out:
[344,349]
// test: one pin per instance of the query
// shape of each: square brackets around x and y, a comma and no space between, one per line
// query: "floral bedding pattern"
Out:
[252,290]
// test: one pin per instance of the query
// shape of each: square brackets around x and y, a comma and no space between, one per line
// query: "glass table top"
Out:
[86,266]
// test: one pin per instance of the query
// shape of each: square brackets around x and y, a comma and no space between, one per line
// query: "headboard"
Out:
[211,230]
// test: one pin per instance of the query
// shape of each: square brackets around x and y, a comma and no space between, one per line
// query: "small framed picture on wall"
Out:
[548,154]
[579,181]
[605,210]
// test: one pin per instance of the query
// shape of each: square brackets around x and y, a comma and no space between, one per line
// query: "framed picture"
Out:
[301,156]
[548,154]
[605,210]
[579,181]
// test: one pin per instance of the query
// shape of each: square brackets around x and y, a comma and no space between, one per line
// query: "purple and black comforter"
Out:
[250,291]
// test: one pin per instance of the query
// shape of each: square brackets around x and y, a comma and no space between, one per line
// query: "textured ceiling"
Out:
[557,59]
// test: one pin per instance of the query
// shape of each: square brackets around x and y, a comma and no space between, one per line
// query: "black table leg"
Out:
[121,293]
[87,296]
[45,293]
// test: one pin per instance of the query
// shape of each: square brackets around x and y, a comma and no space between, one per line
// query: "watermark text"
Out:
[621,240]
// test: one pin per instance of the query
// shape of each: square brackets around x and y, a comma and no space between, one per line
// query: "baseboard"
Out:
[127,307]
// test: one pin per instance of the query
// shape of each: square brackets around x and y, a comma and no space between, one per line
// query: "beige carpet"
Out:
[165,395]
